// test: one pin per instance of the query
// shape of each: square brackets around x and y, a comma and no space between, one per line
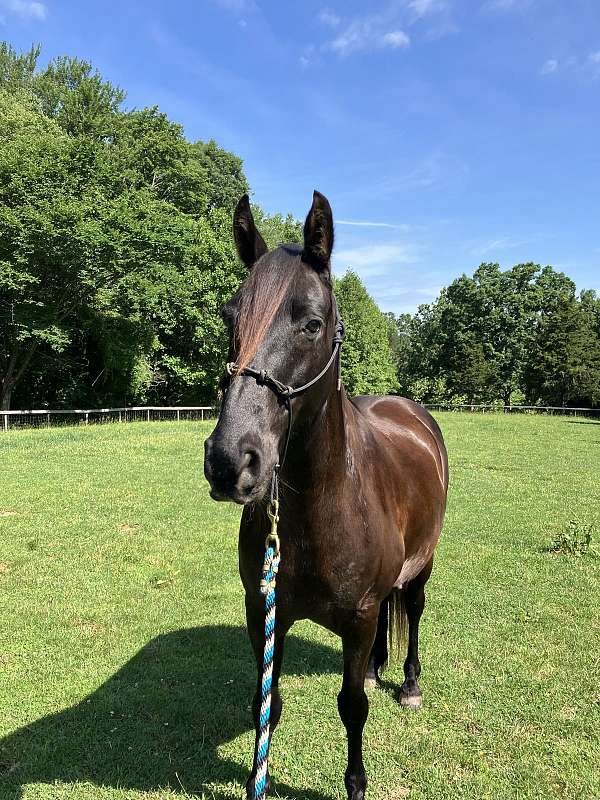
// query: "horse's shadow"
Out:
[159,721]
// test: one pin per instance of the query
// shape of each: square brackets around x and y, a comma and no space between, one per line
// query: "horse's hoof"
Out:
[414,701]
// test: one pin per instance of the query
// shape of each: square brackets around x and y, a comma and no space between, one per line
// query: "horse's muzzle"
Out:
[233,471]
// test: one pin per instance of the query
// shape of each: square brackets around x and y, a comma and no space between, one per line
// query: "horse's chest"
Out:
[326,583]
[328,571]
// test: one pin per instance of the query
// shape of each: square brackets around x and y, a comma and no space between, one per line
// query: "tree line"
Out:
[116,250]
[522,335]
[116,256]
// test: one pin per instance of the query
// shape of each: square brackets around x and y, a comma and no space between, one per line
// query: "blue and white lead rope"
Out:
[267,587]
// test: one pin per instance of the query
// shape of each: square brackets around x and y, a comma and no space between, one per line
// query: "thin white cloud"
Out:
[367,34]
[396,39]
[420,8]
[371,32]
[573,64]
[329,18]
[237,6]
[360,224]
[506,5]
[387,27]
[434,170]
[549,66]
[502,243]
[25,9]
[374,260]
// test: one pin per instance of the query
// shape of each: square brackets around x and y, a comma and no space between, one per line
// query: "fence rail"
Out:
[45,418]
[482,408]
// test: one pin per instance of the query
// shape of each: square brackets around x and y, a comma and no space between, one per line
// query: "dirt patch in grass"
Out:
[89,626]
[125,527]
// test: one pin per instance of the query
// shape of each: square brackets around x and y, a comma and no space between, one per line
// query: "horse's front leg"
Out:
[255,618]
[353,704]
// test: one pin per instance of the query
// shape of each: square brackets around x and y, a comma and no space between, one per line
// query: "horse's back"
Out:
[403,421]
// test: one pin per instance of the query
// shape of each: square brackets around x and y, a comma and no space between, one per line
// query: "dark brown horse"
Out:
[363,483]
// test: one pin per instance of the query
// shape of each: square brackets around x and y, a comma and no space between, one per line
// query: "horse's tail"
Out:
[397,624]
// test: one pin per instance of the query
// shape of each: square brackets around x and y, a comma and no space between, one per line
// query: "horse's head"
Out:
[282,323]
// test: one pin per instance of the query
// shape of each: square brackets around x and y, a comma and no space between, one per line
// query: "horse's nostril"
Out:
[250,460]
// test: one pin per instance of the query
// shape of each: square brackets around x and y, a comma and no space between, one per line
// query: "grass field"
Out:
[124,667]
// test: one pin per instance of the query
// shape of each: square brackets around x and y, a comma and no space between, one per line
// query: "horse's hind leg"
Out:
[414,603]
[379,651]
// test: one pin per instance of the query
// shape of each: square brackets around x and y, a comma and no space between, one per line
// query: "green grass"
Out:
[125,671]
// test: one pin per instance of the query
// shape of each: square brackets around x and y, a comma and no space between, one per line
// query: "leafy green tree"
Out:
[78,98]
[17,69]
[474,341]
[367,358]
[45,271]
[564,365]
[277,229]
[116,252]
[222,175]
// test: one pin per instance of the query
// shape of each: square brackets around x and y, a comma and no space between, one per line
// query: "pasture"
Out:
[125,671]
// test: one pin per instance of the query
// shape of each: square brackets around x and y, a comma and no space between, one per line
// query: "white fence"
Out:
[44,418]
[481,408]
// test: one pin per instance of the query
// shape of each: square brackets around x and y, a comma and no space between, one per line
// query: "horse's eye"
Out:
[313,325]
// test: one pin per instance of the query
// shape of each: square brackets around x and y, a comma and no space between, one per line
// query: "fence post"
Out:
[202,414]
[87,418]
[148,415]
[5,421]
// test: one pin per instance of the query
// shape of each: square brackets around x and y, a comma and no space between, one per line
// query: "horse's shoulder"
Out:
[403,420]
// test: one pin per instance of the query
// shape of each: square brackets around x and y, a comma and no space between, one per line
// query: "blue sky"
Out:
[444,132]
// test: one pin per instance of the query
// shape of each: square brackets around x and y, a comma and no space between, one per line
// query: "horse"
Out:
[363,480]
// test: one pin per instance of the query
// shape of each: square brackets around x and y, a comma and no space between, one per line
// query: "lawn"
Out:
[124,667]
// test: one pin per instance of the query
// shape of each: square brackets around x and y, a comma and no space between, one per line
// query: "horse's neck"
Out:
[318,452]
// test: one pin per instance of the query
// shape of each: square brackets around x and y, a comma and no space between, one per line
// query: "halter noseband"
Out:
[286,393]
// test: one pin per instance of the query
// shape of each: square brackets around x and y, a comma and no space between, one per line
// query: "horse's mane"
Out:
[261,296]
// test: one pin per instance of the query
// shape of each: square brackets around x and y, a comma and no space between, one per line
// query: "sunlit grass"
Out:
[125,673]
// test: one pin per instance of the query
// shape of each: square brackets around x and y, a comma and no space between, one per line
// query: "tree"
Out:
[116,251]
[473,342]
[77,98]
[17,69]
[564,365]
[44,265]
[367,359]
[223,176]
[277,229]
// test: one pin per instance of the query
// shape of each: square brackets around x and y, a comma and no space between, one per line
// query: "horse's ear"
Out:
[250,244]
[318,233]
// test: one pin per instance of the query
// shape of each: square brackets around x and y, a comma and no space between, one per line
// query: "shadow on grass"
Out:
[159,721]
[584,422]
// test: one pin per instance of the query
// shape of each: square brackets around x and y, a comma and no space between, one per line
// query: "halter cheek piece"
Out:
[286,393]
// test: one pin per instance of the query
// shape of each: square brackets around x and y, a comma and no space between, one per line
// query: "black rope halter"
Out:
[286,393]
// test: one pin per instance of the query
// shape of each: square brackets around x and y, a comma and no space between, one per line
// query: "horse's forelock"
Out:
[262,295]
